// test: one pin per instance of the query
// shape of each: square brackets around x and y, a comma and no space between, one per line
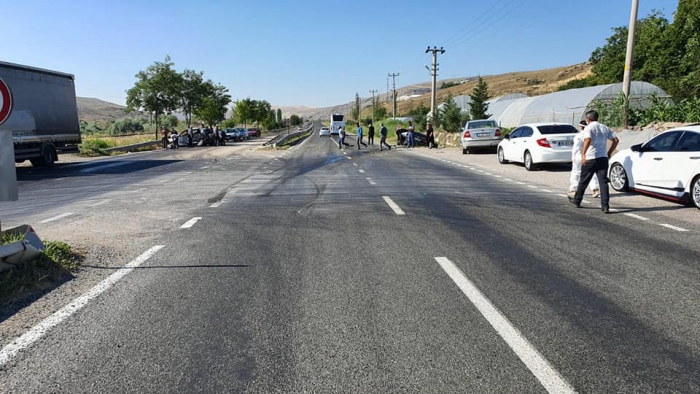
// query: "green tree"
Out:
[157,90]
[451,115]
[125,126]
[244,110]
[212,110]
[419,116]
[170,121]
[193,92]
[295,120]
[682,59]
[356,109]
[479,98]
[279,116]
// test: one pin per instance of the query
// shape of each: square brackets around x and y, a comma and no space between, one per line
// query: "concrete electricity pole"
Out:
[393,91]
[373,91]
[627,80]
[433,96]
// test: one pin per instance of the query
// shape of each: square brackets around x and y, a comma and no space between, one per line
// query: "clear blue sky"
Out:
[315,52]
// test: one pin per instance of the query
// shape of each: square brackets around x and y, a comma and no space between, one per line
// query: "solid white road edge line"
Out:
[393,205]
[61,216]
[673,227]
[642,218]
[97,204]
[190,222]
[533,360]
[41,329]
[216,204]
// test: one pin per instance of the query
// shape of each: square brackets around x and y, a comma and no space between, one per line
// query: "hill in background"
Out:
[95,110]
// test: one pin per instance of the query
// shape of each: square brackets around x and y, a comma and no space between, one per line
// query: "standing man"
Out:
[190,136]
[359,136]
[164,137]
[430,136]
[575,177]
[383,132]
[370,134]
[409,134]
[594,159]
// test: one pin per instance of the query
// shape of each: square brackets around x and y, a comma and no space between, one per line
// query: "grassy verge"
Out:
[7,238]
[95,145]
[293,141]
[51,268]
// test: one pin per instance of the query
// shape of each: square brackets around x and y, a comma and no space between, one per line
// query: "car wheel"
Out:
[618,178]
[529,165]
[465,151]
[502,156]
[695,192]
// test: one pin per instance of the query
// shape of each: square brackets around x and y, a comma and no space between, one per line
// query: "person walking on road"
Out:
[594,159]
[341,138]
[430,136]
[359,136]
[409,134]
[576,165]
[370,134]
[383,132]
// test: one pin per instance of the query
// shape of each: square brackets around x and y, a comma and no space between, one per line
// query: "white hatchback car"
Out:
[538,143]
[666,166]
[325,131]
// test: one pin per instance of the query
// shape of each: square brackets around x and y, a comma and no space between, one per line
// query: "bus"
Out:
[337,121]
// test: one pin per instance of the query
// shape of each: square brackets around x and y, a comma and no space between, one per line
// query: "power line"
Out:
[471,24]
[478,32]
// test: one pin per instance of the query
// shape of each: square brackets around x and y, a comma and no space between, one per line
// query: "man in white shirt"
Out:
[594,159]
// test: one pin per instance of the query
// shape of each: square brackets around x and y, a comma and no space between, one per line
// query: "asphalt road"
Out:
[322,270]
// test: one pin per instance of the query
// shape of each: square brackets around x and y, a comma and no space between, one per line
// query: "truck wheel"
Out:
[47,159]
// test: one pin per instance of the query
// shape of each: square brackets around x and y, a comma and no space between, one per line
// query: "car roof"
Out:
[693,127]
[546,124]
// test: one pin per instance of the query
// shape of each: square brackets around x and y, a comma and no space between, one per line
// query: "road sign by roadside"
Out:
[8,173]
[5,101]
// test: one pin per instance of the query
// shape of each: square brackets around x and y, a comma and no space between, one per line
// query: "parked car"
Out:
[667,166]
[242,134]
[325,131]
[231,134]
[254,132]
[538,143]
[480,134]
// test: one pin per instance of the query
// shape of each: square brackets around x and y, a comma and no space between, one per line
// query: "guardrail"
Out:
[127,148]
[284,137]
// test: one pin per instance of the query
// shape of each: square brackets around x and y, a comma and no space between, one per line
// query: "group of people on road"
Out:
[171,139]
[383,132]
[590,158]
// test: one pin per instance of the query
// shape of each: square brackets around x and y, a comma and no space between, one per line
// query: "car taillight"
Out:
[543,143]
[498,132]
[467,134]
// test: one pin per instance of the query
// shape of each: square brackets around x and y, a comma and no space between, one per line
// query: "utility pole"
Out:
[393,94]
[433,96]
[627,80]
[372,91]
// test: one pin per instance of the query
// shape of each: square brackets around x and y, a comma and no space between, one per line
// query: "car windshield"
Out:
[483,124]
[557,129]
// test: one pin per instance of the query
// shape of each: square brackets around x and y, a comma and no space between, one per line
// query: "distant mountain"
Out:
[92,109]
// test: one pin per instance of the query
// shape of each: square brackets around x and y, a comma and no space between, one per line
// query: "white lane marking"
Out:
[520,183]
[393,205]
[349,158]
[532,187]
[371,182]
[216,204]
[362,171]
[545,191]
[642,218]
[204,168]
[61,216]
[355,164]
[550,379]
[507,179]
[138,191]
[562,195]
[487,173]
[345,153]
[41,329]
[191,222]
[673,227]
[497,176]
[97,204]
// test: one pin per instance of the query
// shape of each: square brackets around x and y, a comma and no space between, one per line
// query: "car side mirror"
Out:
[636,148]
[507,136]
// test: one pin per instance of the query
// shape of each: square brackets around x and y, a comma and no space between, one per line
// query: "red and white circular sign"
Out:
[5,101]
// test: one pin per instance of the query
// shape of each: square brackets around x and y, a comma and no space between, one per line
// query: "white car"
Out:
[538,143]
[325,131]
[666,166]
[480,134]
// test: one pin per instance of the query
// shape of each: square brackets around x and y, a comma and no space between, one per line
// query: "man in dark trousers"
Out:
[383,132]
[594,159]
[370,134]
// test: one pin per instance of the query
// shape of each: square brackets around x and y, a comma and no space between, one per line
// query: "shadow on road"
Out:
[89,168]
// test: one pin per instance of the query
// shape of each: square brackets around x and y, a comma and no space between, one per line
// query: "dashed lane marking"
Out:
[632,215]
[191,222]
[59,217]
[362,171]
[548,377]
[216,204]
[97,204]
[673,227]
[393,205]
[41,329]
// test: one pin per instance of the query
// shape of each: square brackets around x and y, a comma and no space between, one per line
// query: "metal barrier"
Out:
[286,137]
[127,148]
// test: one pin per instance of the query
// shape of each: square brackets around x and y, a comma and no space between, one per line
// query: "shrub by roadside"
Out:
[52,268]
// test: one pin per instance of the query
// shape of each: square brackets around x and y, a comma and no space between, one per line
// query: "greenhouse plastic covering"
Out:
[568,106]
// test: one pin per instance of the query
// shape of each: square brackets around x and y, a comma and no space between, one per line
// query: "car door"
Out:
[510,143]
[650,165]
[681,165]
[523,143]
